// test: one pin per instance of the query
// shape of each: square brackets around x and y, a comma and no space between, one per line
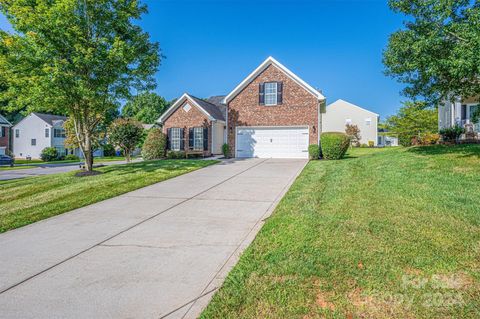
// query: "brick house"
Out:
[4,135]
[271,113]
[195,124]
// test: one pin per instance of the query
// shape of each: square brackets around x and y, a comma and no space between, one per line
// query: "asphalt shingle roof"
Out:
[50,118]
[212,109]
[4,121]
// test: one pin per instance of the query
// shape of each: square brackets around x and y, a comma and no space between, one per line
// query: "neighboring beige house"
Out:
[340,113]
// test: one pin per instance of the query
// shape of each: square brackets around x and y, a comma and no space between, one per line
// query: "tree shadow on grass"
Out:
[464,150]
[152,166]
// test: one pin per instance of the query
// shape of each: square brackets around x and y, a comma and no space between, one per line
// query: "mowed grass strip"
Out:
[28,200]
[384,233]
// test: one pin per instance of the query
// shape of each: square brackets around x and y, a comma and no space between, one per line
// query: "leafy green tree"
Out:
[413,120]
[125,133]
[155,144]
[437,53]
[145,107]
[77,57]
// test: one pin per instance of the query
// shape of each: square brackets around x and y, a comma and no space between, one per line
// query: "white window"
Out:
[348,121]
[34,141]
[198,138]
[47,132]
[368,121]
[175,139]
[58,133]
[271,93]
[17,133]
[187,107]
[3,132]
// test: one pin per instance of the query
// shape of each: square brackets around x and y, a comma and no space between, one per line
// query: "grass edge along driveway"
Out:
[25,201]
[384,233]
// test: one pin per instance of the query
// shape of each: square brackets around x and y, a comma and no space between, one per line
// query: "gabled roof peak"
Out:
[269,61]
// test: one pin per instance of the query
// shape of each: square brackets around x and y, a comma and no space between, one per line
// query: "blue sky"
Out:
[336,46]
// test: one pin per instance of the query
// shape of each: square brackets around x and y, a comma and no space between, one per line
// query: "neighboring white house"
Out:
[386,139]
[458,112]
[36,132]
[340,113]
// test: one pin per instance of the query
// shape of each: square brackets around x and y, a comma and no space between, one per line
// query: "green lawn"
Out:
[384,233]
[28,200]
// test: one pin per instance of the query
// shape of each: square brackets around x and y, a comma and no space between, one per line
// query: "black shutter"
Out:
[205,138]
[261,93]
[279,92]
[464,112]
[190,138]
[169,138]
[182,139]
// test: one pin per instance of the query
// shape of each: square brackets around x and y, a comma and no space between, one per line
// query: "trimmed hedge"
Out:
[314,151]
[49,154]
[155,145]
[334,145]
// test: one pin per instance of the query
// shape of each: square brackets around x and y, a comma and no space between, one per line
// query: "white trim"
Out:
[270,60]
[269,126]
[177,104]
[351,104]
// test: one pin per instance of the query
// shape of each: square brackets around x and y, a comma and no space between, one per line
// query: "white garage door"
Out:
[273,142]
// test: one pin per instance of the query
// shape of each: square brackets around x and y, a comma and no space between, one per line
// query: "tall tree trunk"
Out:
[84,139]
[88,153]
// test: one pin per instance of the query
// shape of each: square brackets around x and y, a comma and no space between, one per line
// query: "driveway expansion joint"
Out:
[122,231]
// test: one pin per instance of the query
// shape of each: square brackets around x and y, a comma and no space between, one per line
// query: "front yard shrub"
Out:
[429,139]
[49,154]
[314,151]
[226,150]
[451,134]
[71,157]
[108,150]
[155,144]
[371,143]
[334,145]
[175,154]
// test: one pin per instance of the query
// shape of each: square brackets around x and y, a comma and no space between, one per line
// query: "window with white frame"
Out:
[17,133]
[368,121]
[34,141]
[271,93]
[175,139]
[47,132]
[58,133]
[348,121]
[198,138]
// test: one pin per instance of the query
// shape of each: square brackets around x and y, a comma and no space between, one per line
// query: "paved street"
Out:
[45,170]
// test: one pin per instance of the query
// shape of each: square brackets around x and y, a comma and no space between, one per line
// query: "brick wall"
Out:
[193,118]
[299,107]
[5,139]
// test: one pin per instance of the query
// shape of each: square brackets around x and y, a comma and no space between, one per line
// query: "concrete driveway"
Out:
[157,252]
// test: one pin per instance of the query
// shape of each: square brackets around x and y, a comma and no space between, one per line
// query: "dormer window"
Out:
[270,93]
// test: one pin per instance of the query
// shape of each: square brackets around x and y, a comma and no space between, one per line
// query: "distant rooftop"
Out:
[50,118]
[3,121]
